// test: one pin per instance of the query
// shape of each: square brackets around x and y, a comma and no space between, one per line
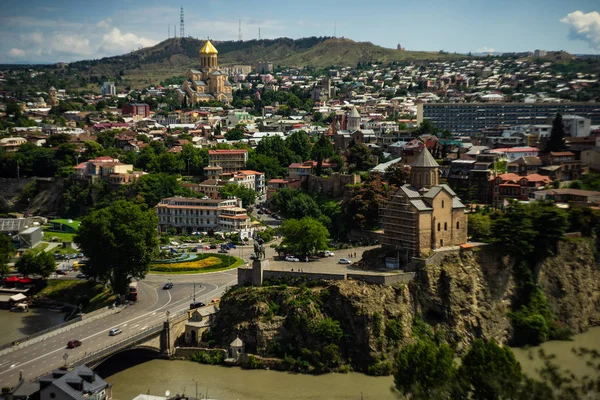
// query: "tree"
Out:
[304,236]
[267,164]
[360,157]
[396,174]
[362,210]
[93,150]
[234,134]
[247,195]
[556,141]
[32,263]
[425,370]
[299,143]
[489,371]
[480,226]
[322,150]
[121,241]
[7,249]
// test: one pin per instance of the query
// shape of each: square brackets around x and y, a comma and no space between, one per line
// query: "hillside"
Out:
[173,56]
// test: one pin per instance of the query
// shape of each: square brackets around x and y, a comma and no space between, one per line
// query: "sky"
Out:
[67,30]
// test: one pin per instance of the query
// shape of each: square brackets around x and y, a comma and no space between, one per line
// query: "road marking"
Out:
[124,325]
[12,366]
[141,329]
[136,325]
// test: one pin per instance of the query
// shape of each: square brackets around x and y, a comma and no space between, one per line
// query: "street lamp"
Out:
[65,357]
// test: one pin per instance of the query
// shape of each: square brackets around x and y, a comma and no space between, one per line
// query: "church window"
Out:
[445,226]
[457,224]
[441,242]
[439,226]
[442,203]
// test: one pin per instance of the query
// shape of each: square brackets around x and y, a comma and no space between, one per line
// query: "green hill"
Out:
[173,56]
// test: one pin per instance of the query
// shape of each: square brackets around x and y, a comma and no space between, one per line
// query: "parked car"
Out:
[206,247]
[292,259]
[232,246]
[213,246]
[215,301]
[329,253]
[60,272]
[81,276]
[73,343]
[114,332]
[344,261]
[260,212]
[164,247]
[197,304]
[168,285]
[223,251]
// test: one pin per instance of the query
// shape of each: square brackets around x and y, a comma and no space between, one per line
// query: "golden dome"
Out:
[208,48]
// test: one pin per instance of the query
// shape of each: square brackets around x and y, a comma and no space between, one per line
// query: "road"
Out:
[42,357]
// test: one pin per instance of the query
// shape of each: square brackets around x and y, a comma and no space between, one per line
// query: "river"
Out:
[157,376]
[14,325]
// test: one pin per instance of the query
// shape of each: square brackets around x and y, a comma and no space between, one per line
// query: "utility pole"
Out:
[181,26]
[17,169]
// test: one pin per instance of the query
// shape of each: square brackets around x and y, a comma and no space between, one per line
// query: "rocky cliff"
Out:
[465,297]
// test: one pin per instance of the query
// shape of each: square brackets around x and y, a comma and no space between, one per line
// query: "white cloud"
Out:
[486,49]
[71,44]
[104,24]
[585,27]
[117,42]
[16,53]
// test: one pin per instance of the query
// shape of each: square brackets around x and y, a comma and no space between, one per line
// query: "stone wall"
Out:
[244,276]
[333,185]
[386,280]
[186,352]
[296,275]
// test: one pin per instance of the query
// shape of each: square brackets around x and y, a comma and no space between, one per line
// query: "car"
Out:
[215,301]
[213,246]
[292,259]
[80,255]
[196,304]
[223,251]
[168,285]
[260,212]
[79,264]
[60,272]
[164,247]
[232,246]
[74,343]
[206,247]
[81,276]
[344,261]
[328,253]
[114,332]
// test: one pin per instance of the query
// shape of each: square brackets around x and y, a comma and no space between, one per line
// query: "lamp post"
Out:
[65,357]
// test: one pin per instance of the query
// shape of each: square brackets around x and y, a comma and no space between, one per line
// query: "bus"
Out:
[133,291]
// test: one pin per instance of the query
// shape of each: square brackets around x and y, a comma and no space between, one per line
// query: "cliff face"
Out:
[465,297]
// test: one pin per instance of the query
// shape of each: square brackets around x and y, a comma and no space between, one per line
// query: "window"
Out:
[445,226]
[441,242]
[442,203]
[457,225]
[438,226]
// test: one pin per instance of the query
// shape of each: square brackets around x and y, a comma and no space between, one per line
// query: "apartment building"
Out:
[228,160]
[12,144]
[140,110]
[108,169]
[471,117]
[512,186]
[203,215]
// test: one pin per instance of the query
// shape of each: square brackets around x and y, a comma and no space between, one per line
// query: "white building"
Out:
[108,89]
[576,126]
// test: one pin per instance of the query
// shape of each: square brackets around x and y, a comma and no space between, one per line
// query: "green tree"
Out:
[304,236]
[121,240]
[93,150]
[267,164]
[425,370]
[234,134]
[322,150]
[490,372]
[361,211]
[32,263]
[396,174]
[151,188]
[479,226]
[247,195]
[360,158]
[299,143]
[7,249]
[556,141]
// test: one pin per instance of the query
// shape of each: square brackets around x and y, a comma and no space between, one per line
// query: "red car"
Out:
[60,272]
[73,343]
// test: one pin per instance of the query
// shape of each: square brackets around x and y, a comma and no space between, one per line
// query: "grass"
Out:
[92,295]
[203,267]
[63,250]
[39,248]
[62,236]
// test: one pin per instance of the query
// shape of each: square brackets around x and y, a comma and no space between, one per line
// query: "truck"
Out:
[133,291]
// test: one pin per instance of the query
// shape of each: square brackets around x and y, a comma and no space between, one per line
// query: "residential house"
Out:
[136,110]
[228,160]
[12,144]
[276,185]
[514,153]
[513,186]
[591,158]
[524,166]
[304,169]
[108,169]
[76,384]
[576,196]
[209,187]
[562,165]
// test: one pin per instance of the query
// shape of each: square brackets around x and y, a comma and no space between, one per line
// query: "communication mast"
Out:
[259,33]
[240,31]
[181,27]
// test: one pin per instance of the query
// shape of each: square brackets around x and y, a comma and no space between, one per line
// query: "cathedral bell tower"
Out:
[208,57]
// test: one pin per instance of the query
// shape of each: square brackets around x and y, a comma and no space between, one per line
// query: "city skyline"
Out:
[40,33]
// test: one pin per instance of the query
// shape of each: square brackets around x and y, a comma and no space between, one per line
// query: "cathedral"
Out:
[209,83]
[423,216]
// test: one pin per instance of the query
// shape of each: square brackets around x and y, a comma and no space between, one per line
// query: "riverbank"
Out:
[14,326]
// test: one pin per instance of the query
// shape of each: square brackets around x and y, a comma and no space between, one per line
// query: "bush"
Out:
[529,328]
[328,330]
[208,357]
[393,330]
[253,362]
[380,368]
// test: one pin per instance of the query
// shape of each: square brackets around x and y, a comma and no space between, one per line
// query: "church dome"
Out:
[208,48]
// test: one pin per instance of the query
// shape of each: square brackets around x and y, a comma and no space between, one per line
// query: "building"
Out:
[524,166]
[591,158]
[139,110]
[108,169]
[209,188]
[228,160]
[539,53]
[576,196]
[76,384]
[276,185]
[512,186]
[514,153]
[563,166]
[108,89]
[30,237]
[576,126]
[304,169]
[207,84]
[473,117]
[264,67]
[52,97]
[423,215]
[203,215]
[12,144]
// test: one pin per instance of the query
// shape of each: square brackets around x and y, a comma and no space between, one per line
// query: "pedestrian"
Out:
[354,254]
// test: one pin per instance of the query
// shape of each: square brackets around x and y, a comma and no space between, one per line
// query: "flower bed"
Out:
[200,263]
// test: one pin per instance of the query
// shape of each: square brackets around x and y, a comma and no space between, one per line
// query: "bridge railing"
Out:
[39,333]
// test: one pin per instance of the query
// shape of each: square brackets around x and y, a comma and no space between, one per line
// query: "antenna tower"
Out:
[334,28]
[181,26]
[240,31]
[259,33]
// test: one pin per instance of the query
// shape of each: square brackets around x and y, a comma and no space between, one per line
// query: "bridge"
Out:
[154,322]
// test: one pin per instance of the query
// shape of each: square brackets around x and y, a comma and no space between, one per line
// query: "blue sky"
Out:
[67,30]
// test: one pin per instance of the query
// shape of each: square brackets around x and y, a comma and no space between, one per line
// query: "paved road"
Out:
[150,310]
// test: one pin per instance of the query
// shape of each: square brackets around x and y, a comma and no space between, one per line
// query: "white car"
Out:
[328,253]
[344,261]
[114,332]
[292,259]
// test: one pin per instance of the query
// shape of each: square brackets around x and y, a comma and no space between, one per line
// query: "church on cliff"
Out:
[423,216]
[207,84]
